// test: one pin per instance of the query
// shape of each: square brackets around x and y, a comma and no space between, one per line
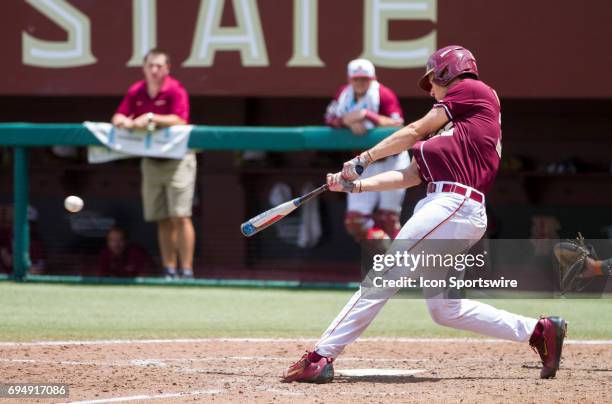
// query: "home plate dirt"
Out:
[249,371]
[377,372]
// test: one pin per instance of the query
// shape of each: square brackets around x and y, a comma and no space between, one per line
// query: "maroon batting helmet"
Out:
[446,64]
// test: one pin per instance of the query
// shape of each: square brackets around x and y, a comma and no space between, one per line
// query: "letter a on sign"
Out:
[246,37]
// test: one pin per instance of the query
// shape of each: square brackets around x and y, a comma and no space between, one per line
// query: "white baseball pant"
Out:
[443,216]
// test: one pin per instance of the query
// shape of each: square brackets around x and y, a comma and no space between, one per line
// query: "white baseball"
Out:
[73,204]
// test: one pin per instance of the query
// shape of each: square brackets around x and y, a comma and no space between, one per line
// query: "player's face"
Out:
[360,85]
[156,68]
[115,242]
[438,92]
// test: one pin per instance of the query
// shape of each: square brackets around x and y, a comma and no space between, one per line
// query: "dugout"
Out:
[519,193]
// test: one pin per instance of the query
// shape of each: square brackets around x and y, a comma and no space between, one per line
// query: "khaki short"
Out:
[167,187]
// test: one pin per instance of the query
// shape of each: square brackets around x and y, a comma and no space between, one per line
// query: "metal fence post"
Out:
[21,232]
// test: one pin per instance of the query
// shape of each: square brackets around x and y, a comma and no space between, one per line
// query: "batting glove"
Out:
[350,170]
[338,184]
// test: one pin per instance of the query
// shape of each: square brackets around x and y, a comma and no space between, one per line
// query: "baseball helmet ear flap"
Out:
[448,63]
[424,81]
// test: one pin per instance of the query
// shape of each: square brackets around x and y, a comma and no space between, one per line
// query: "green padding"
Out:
[246,283]
[26,134]
[21,238]
[205,137]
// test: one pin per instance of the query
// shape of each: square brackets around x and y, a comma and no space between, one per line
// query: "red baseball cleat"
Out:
[305,371]
[547,341]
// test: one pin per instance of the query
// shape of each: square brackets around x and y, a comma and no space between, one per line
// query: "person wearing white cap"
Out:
[362,104]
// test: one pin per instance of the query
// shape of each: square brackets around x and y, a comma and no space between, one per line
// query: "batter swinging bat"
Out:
[271,216]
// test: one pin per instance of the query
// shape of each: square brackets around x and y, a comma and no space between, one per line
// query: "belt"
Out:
[455,188]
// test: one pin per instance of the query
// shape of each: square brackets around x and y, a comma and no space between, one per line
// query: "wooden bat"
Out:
[271,216]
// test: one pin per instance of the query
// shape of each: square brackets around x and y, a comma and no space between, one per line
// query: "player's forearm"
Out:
[334,122]
[407,136]
[400,140]
[386,122]
[382,120]
[167,120]
[118,119]
[389,180]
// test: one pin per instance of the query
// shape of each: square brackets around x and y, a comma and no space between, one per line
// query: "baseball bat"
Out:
[271,216]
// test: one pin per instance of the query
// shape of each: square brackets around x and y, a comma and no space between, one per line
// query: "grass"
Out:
[44,312]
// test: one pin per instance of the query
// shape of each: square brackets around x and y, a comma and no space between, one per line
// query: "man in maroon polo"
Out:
[168,185]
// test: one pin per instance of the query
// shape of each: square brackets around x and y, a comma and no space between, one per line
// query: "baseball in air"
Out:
[73,204]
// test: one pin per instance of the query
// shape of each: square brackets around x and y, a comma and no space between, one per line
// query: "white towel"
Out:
[370,101]
[170,142]
[310,226]
[286,229]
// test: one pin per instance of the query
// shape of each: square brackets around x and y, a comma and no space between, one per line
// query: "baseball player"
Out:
[458,166]
[360,105]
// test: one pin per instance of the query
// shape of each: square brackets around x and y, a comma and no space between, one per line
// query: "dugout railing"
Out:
[22,136]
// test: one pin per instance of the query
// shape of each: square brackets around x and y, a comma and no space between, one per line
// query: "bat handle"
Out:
[357,170]
[315,192]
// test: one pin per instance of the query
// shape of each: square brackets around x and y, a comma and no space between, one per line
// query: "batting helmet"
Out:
[446,64]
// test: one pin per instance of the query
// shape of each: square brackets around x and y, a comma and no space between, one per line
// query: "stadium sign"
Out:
[291,47]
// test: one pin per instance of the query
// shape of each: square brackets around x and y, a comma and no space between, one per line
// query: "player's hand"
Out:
[141,122]
[125,123]
[354,117]
[358,129]
[338,184]
[589,270]
[349,169]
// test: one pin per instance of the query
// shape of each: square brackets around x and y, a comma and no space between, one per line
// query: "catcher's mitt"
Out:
[572,256]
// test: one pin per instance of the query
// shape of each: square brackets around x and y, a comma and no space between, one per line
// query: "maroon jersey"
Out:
[171,99]
[468,149]
[131,263]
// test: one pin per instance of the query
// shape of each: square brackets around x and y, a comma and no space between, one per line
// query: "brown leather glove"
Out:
[572,256]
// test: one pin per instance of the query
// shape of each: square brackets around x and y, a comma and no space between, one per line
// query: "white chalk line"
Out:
[164,362]
[147,397]
[281,340]
[179,364]
[298,393]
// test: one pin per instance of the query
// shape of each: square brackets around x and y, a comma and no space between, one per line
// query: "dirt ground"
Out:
[248,371]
